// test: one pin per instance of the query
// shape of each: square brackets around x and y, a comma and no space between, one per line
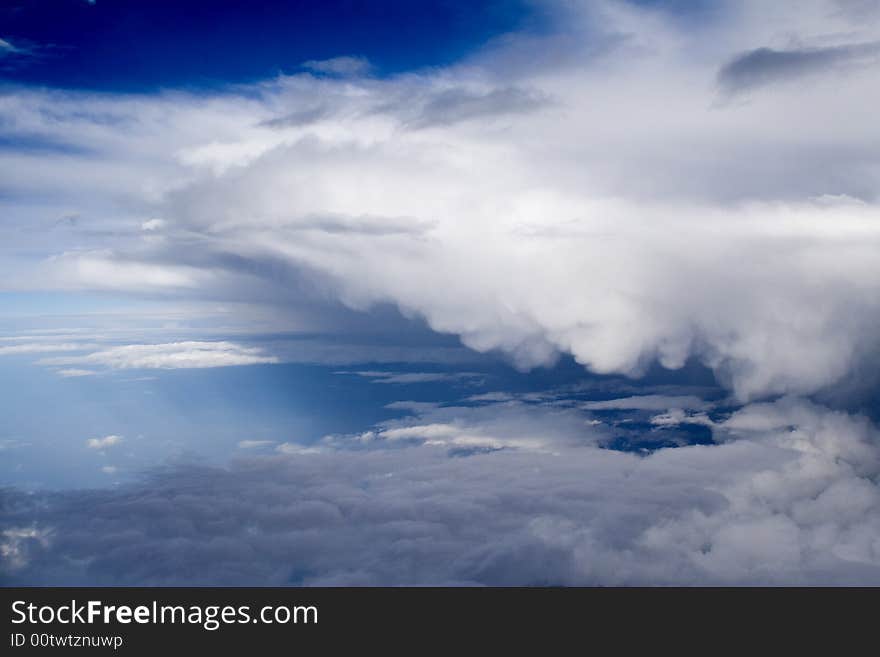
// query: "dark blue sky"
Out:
[133,45]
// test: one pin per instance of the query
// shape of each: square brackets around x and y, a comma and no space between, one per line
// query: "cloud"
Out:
[859,10]
[765,66]
[341,66]
[17,53]
[7,48]
[366,225]
[13,542]
[384,376]
[339,350]
[18,50]
[511,424]
[454,105]
[175,355]
[298,117]
[153,224]
[255,444]
[306,343]
[676,417]
[295,449]
[581,191]
[617,213]
[787,496]
[101,271]
[103,443]
[75,372]
[43,347]
[649,403]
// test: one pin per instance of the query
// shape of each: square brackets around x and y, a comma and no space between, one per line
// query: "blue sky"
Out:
[448,293]
[137,46]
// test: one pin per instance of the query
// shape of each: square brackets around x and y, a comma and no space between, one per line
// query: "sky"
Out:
[440,293]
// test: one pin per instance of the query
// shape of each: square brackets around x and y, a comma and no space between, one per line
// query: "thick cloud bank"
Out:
[631,186]
[790,496]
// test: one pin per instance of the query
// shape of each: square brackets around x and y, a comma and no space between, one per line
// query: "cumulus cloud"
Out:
[787,496]
[604,190]
[175,355]
[601,203]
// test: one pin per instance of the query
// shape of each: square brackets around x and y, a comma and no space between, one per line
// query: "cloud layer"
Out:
[789,496]
[175,355]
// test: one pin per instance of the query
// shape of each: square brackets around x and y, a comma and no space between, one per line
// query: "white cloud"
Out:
[609,199]
[74,372]
[107,271]
[677,416]
[103,443]
[632,214]
[153,224]
[788,496]
[175,355]
[295,449]
[649,403]
[43,347]
[254,444]
[509,424]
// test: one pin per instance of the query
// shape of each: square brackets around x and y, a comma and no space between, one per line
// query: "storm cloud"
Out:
[581,206]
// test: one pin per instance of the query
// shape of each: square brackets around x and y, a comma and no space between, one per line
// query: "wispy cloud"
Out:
[649,403]
[43,347]
[74,372]
[400,378]
[764,66]
[342,66]
[255,444]
[175,355]
[7,48]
